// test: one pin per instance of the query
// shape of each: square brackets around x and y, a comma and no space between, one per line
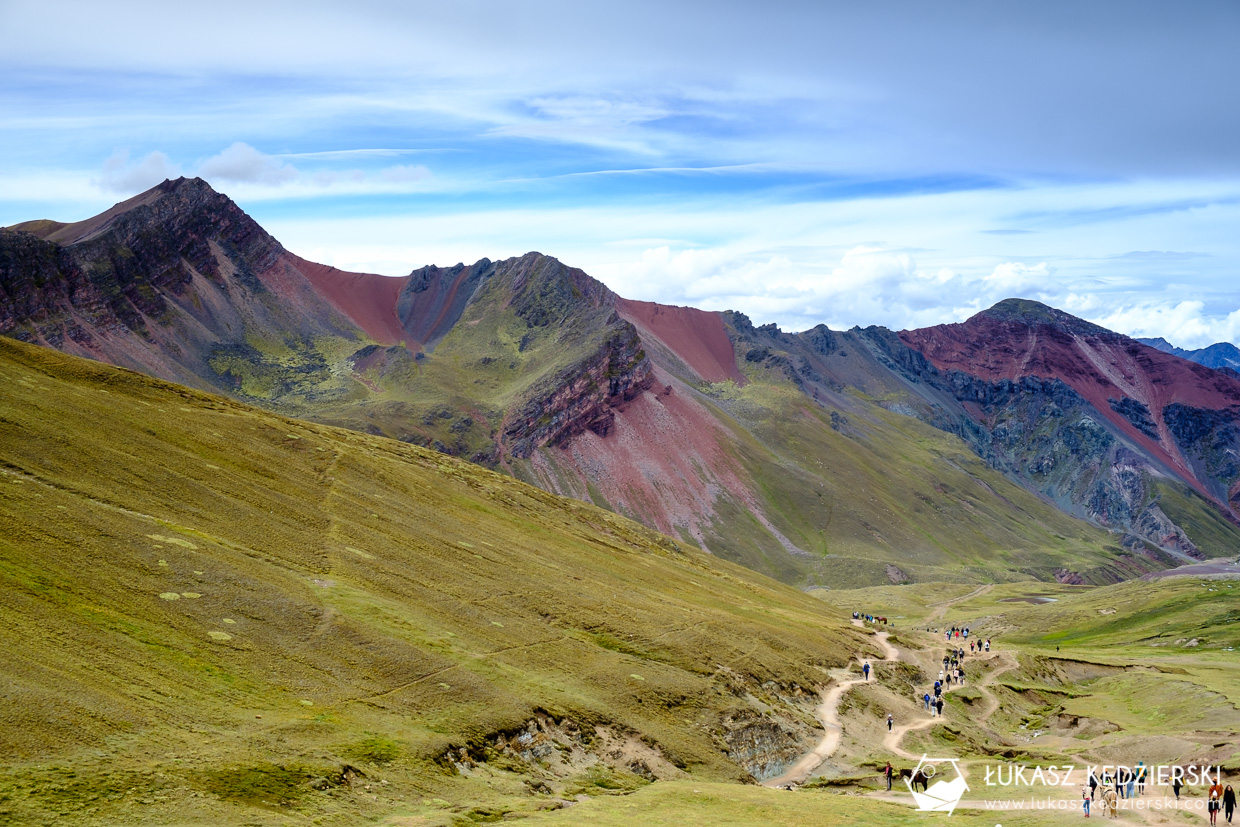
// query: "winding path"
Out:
[827,711]
[828,714]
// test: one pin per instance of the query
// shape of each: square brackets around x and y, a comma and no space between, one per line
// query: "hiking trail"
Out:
[827,714]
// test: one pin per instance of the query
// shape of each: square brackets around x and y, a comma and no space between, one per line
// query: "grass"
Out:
[890,493]
[673,804]
[362,602]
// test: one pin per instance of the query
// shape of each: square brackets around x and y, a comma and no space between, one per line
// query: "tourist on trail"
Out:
[1141,778]
[888,772]
[866,670]
[1176,784]
[988,645]
[925,699]
[939,705]
[961,676]
[1215,804]
[970,646]
[889,725]
[1229,802]
[1093,783]
[1132,781]
[1121,781]
[1087,793]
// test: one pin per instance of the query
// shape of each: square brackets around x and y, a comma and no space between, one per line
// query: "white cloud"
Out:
[243,164]
[122,175]
[1017,279]
[1184,324]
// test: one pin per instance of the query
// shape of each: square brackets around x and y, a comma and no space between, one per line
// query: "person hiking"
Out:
[1229,802]
[925,699]
[1141,778]
[889,721]
[1176,784]
[1132,781]
[1087,794]
[1093,783]
[961,676]
[888,772]
[866,670]
[988,646]
[1215,803]
[939,705]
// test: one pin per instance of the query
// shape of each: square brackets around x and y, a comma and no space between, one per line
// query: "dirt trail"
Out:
[828,715]
[941,608]
[1008,661]
[827,711]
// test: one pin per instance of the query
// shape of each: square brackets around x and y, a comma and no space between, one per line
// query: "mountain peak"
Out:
[1030,312]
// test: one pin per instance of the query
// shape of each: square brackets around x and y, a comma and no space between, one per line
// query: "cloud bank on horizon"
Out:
[901,164]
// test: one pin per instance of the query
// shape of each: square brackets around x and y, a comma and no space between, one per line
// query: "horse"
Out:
[914,778]
[1110,803]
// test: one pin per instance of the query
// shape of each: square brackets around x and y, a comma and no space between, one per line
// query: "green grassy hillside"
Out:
[875,496]
[212,614]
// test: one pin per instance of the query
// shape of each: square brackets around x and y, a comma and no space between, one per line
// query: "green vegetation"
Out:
[887,497]
[464,641]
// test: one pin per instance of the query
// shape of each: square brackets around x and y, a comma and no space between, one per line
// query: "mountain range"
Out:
[1022,442]
[1218,355]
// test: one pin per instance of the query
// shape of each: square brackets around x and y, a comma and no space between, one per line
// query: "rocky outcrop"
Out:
[119,274]
[577,312]
[764,747]
[583,397]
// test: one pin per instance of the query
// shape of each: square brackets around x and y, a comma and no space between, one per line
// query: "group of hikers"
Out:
[869,618]
[1130,783]
[952,674]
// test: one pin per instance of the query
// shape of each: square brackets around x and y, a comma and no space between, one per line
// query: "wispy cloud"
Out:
[767,158]
[243,164]
[122,175]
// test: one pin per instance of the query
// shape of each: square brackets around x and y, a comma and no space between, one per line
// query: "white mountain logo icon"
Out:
[941,794]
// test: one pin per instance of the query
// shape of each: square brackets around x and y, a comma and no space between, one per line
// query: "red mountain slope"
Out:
[1016,339]
[696,337]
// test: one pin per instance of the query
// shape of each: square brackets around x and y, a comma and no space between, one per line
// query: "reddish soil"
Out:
[432,312]
[674,486]
[367,299]
[696,336]
[1099,365]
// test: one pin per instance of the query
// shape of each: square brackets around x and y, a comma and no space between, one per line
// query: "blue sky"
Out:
[887,163]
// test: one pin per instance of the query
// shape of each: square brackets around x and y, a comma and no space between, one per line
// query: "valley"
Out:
[216,614]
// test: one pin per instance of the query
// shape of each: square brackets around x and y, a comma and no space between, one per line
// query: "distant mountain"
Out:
[1218,355]
[1097,421]
[965,452]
